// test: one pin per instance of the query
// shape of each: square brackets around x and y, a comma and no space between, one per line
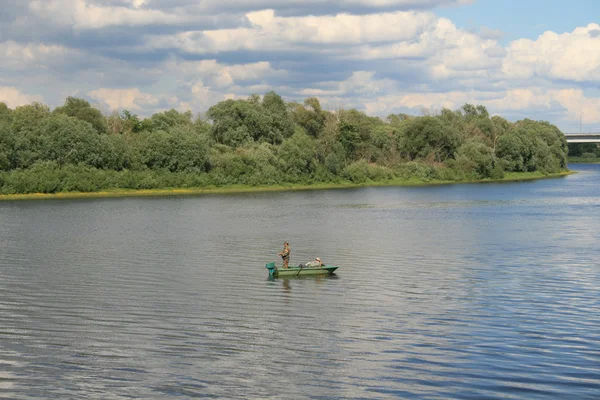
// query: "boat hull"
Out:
[298,271]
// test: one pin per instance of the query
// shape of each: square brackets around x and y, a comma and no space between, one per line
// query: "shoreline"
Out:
[120,193]
[584,161]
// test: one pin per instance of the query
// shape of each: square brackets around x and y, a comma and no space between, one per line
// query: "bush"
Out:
[335,161]
[361,172]
[475,158]
[179,149]
[298,156]
[253,166]
[42,177]
[425,136]
[416,170]
[264,142]
[68,140]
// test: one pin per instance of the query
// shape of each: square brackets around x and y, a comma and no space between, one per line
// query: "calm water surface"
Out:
[466,291]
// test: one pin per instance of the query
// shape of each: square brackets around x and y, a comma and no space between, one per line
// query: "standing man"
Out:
[285,254]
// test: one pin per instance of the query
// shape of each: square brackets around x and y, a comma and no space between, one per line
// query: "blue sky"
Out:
[521,59]
[524,18]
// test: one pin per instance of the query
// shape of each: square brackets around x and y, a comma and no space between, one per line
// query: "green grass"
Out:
[113,193]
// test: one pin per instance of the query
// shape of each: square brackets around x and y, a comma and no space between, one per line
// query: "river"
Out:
[467,291]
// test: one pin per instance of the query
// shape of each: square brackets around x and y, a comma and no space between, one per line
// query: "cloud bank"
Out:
[381,56]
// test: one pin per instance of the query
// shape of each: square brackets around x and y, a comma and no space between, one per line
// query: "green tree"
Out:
[253,165]
[263,141]
[116,153]
[7,146]
[578,149]
[179,149]
[335,160]
[238,122]
[26,130]
[362,146]
[398,119]
[428,136]
[281,120]
[69,140]
[164,121]
[513,152]
[349,138]
[551,136]
[132,122]
[476,157]
[452,119]
[477,122]
[5,114]
[27,118]
[125,123]
[297,155]
[310,116]
[82,110]
[202,126]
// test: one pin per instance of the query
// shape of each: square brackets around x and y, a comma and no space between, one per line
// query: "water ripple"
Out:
[465,292]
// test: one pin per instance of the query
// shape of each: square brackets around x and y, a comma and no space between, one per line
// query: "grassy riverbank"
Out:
[583,160]
[262,144]
[115,193]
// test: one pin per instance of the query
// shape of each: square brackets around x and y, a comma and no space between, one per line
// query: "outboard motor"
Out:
[271,267]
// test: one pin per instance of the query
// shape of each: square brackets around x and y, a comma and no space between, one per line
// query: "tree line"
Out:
[584,152]
[262,140]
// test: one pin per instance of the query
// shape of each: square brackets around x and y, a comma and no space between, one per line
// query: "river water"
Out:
[477,291]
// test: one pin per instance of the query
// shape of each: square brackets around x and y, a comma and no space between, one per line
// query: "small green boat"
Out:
[299,271]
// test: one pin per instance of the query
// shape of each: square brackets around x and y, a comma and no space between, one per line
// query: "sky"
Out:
[537,59]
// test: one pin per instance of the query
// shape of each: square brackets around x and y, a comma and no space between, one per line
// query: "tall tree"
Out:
[166,120]
[81,109]
[428,136]
[5,113]
[310,116]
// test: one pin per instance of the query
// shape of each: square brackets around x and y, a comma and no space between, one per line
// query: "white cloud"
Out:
[341,28]
[17,56]
[130,99]
[82,15]
[575,101]
[270,32]
[488,33]
[13,97]
[377,55]
[204,97]
[571,56]
[446,51]
[312,7]
[138,3]
[531,102]
[223,75]
[360,83]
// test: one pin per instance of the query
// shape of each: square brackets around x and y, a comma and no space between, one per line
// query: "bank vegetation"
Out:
[263,141]
[584,153]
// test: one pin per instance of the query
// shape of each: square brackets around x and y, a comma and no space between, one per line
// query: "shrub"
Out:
[361,172]
[474,157]
[416,170]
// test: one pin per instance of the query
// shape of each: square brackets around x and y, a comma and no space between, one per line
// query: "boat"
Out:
[299,270]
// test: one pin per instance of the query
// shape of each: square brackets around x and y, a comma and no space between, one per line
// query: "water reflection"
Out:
[317,279]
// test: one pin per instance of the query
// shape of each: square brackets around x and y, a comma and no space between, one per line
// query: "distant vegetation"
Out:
[584,153]
[262,141]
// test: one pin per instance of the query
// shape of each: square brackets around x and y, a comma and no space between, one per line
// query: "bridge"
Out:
[583,137]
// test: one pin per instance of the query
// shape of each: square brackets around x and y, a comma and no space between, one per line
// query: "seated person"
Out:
[315,263]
